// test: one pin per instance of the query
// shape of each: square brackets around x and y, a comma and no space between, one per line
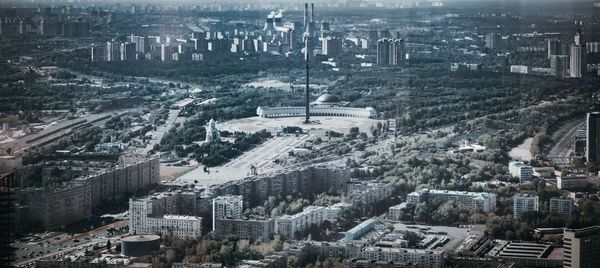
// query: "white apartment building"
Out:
[419,257]
[519,170]
[288,225]
[571,182]
[482,201]
[524,203]
[150,216]
[521,69]
[368,193]
[227,207]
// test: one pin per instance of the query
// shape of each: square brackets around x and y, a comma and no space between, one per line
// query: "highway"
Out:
[560,153]
[57,244]
[58,130]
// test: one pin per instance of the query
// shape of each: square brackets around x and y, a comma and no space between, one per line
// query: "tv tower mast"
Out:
[306,61]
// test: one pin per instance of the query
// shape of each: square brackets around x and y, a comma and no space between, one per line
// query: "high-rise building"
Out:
[165,52]
[578,53]
[373,36]
[592,147]
[127,51]
[492,41]
[98,53]
[581,247]
[559,65]
[554,47]
[331,46]
[561,206]
[390,52]
[113,51]
[227,207]
[593,52]
[524,203]
[383,52]
[219,45]
[397,52]
[325,27]
[142,44]
[50,27]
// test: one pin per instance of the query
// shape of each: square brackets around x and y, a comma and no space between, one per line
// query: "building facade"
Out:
[289,225]
[331,46]
[227,207]
[273,112]
[163,214]
[245,229]
[122,180]
[485,202]
[571,182]
[521,171]
[523,204]
[581,247]
[56,208]
[561,206]
[420,257]
[578,54]
[592,147]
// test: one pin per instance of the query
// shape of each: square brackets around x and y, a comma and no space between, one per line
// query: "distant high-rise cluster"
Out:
[390,52]
[11,26]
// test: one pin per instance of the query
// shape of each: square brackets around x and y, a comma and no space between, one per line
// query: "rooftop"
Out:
[141,238]
[181,217]
[306,211]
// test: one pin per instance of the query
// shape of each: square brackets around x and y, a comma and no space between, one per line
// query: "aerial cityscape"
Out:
[286,133]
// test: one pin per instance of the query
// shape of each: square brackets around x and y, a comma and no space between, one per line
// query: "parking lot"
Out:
[455,235]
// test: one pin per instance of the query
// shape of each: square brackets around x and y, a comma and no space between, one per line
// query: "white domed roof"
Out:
[328,98]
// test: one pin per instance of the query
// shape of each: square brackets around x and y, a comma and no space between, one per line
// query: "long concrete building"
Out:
[122,180]
[476,200]
[325,105]
[55,208]
[304,181]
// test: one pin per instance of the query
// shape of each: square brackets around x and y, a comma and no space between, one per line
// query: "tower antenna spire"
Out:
[306,63]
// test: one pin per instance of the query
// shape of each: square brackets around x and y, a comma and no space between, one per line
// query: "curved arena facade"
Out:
[290,111]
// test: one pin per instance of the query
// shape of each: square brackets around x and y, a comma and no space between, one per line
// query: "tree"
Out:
[412,238]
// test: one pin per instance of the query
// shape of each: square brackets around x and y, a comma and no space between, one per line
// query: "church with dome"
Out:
[325,105]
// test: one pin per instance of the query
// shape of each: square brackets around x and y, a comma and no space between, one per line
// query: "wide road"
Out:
[559,154]
[58,130]
[56,244]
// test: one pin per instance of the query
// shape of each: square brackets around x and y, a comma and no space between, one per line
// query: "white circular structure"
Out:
[272,112]
[325,105]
